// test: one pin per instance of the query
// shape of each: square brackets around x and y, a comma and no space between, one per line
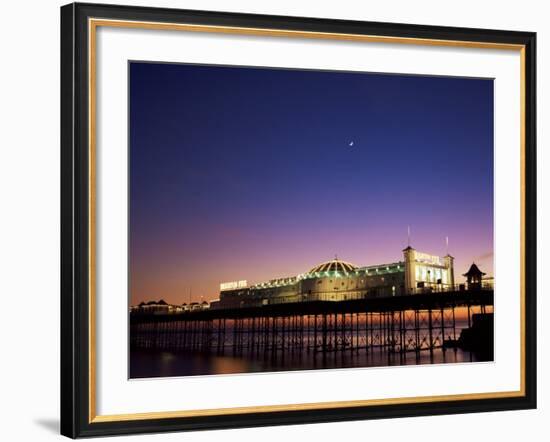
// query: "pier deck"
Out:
[395,324]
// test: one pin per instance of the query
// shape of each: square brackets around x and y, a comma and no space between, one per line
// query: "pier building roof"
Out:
[474,271]
[334,265]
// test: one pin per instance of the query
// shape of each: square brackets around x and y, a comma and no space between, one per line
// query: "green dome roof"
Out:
[334,265]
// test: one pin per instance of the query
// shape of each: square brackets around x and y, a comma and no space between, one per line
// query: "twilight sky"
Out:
[245,173]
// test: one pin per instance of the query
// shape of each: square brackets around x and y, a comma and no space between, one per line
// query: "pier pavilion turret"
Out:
[474,277]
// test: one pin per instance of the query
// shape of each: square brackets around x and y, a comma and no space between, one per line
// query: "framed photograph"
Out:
[276,220]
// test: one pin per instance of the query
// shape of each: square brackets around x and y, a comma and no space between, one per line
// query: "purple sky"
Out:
[246,173]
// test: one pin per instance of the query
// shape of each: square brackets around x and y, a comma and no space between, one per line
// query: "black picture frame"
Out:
[76,418]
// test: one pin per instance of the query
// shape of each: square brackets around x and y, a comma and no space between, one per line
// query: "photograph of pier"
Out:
[286,219]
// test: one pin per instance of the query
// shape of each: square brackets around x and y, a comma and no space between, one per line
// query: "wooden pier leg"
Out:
[383,331]
[183,334]
[343,332]
[351,333]
[219,336]
[454,330]
[291,329]
[241,334]
[205,341]
[381,336]
[389,325]
[335,334]
[392,332]
[325,332]
[198,335]
[252,335]
[266,334]
[302,331]
[147,336]
[417,331]
[266,337]
[314,333]
[370,330]
[358,340]
[196,325]
[177,336]
[387,331]
[234,323]
[295,343]
[274,335]
[283,333]
[430,331]
[224,334]
[401,334]
[443,329]
[261,333]
[170,334]
[389,321]
[158,335]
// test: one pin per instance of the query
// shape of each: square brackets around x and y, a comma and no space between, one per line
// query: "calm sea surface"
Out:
[146,363]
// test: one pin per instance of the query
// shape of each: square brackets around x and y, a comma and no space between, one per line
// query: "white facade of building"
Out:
[338,280]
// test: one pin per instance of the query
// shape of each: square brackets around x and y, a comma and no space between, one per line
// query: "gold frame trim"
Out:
[93,24]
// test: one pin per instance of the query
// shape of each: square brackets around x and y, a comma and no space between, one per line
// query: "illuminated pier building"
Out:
[337,280]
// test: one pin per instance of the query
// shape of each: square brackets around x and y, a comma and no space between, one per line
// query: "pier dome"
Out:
[334,265]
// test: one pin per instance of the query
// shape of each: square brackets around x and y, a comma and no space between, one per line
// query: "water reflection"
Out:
[145,363]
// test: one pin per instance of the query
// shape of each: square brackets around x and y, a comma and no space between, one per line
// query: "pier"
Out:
[401,324]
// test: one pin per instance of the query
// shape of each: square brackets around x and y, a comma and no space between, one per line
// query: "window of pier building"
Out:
[431,274]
